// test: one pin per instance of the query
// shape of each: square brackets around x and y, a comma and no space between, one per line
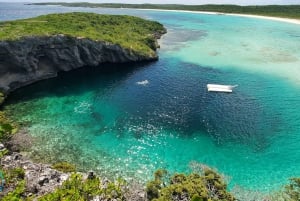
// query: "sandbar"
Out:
[281,19]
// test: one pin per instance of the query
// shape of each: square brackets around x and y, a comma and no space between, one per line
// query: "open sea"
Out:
[118,125]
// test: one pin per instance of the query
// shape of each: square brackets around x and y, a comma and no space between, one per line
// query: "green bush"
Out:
[7,127]
[3,153]
[17,193]
[76,188]
[293,189]
[2,97]
[291,192]
[64,167]
[15,178]
[208,186]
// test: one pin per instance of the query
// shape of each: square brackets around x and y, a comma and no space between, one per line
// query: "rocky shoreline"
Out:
[41,179]
[31,59]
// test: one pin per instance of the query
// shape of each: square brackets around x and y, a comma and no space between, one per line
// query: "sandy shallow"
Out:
[288,20]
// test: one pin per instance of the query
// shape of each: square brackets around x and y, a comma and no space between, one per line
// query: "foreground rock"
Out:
[40,178]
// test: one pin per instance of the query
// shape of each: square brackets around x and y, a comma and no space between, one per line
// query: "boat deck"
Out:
[220,88]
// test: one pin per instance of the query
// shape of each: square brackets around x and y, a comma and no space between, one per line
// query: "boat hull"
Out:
[220,88]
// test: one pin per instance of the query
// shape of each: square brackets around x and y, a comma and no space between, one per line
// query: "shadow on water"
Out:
[77,81]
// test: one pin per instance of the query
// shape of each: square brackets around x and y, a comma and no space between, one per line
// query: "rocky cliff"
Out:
[31,59]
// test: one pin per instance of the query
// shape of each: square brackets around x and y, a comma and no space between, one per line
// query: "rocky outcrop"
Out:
[35,58]
[40,178]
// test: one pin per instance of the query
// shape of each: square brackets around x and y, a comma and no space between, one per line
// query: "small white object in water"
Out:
[144,82]
[220,88]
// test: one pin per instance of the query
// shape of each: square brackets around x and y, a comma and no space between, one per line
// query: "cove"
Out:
[107,122]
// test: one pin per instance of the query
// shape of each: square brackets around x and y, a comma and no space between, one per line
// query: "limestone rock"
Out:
[40,178]
[36,58]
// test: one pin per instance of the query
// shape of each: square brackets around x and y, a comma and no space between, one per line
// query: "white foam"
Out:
[144,82]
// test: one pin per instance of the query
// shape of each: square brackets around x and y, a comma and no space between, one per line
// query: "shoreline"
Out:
[280,19]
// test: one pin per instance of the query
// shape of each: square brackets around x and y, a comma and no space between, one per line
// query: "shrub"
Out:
[293,189]
[2,97]
[290,192]
[17,193]
[196,187]
[14,175]
[76,188]
[15,178]
[7,127]
[64,167]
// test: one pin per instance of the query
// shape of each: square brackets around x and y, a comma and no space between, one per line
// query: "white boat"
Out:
[220,88]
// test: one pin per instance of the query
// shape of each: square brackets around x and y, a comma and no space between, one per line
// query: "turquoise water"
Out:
[104,120]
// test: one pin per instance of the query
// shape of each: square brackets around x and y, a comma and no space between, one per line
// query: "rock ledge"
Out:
[31,59]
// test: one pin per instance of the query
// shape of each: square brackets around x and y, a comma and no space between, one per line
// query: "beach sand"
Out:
[288,20]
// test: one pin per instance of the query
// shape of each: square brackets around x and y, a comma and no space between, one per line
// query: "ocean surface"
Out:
[159,115]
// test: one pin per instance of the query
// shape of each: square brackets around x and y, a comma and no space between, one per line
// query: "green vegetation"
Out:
[205,186]
[286,11]
[208,186]
[2,97]
[3,153]
[135,34]
[293,189]
[64,167]
[76,188]
[14,175]
[7,127]
[291,192]
[17,193]
[15,179]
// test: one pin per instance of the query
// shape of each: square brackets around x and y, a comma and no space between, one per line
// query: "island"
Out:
[38,48]
[282,11]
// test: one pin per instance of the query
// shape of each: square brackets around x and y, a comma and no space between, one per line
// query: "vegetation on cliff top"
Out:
[77,188]
[206,186]
[202,186]
[129,32]
[286,11]
[7,127]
